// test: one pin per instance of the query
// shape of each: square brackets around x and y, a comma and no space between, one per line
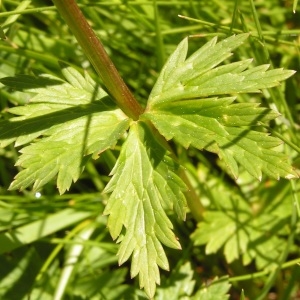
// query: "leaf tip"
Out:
[291,176]
[11,187]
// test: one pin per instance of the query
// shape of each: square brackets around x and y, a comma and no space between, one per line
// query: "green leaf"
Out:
[73,121]
[182,108]
[179,111]
[242,295]
[225,229]
[144,185]
[221,127]
[235,227]
[179,285]
[198,76]
[216,290]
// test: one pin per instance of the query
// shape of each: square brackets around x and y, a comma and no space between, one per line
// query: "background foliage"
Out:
[55,245]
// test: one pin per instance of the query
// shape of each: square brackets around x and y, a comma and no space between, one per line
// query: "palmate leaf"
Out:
[182,108]
[67,122]
[235,228]
[144,185]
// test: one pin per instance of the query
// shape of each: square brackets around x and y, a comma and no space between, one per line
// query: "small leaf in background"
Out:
[144,185]
[179,285]
[229,230]
[232,226]
[242,295]
[73,122]
[215,290]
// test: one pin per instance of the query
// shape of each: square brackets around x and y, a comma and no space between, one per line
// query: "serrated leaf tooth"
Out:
[178,56]
[202,50]
[165,237]
[125,252]
[14,186]
[291,176]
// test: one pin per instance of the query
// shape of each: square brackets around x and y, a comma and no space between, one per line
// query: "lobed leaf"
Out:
[67,149]
[180,283]
[144,185]
[233,226]
[198,76]
[216,290]
[218,126]
[182,108]
[66,122]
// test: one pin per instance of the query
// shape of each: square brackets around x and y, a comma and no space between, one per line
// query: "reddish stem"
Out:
[95,52]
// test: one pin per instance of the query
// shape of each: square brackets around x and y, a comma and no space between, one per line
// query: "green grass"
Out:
[58,246]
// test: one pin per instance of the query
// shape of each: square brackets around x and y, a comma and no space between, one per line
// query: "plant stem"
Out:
[95,52]
[263,273]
